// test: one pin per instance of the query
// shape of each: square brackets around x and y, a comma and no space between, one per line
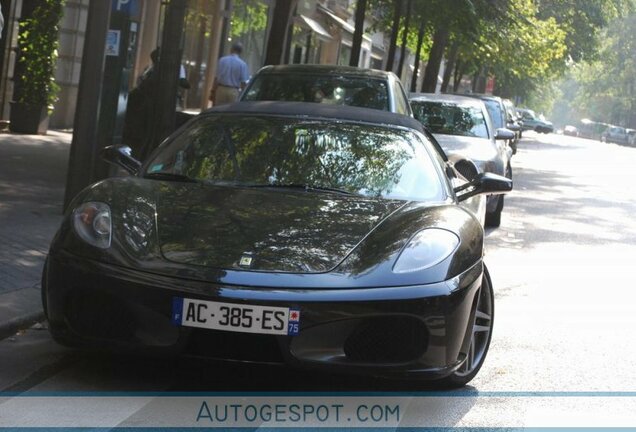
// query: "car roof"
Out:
[318,110]
[484,97]
[433,97]
[325,70]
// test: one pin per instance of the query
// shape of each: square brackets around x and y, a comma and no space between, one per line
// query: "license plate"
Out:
[235,317]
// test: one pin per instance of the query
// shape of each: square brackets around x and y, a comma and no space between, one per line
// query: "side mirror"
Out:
[467,169]
[484,183]
[513,127]
[504,134]
[121,156]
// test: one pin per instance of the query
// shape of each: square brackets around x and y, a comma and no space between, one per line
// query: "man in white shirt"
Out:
[231,77]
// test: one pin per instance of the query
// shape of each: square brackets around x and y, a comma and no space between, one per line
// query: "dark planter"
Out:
[28,119]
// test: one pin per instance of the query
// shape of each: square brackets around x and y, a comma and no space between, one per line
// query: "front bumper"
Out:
[397,332]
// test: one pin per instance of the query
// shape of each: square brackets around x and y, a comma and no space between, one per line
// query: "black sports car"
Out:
[307,234]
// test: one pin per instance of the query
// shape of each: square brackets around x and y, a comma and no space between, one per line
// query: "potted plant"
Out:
[35,90]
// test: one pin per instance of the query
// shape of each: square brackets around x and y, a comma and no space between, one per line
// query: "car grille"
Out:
[387,340]
[220,344]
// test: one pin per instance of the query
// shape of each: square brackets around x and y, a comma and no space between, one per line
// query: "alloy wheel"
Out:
[481,331]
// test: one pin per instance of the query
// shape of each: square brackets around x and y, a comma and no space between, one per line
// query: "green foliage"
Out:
[605,89]
[38,43]
[249,15]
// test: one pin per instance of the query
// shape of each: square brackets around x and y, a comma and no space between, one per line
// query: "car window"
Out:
[401,102]
[451,119]
[337,90]
[363,159]
[496,115]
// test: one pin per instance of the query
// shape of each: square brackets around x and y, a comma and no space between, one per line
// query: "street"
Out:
[562,268]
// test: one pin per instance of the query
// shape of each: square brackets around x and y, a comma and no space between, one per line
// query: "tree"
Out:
[361,9]
[395,28]
[163,116]
[279,28]
[405,32]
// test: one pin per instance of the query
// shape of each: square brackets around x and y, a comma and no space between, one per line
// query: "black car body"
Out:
[239,212]
[329,84]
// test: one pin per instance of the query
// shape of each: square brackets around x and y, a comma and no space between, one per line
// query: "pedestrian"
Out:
[231,77]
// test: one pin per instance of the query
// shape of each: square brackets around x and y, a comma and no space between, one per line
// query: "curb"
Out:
[19,309]
[9,328]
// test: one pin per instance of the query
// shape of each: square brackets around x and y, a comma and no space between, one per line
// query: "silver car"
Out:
[464,130]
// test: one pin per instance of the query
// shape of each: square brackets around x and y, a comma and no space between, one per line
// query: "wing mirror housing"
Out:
[504,134]
[484,183]
[513,127]
[121,156]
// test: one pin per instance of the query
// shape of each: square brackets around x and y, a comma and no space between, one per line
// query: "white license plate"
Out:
[235,317]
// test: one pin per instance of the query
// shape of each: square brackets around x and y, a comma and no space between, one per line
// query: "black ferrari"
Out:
[312,235]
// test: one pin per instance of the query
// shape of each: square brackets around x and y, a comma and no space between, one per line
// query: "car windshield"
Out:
[262,151]
[337,90]
[450,118]
[494,109]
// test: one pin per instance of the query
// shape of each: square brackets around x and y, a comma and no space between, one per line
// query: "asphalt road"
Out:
[562,265]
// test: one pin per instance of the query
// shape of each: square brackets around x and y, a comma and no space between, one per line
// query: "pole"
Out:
[84,152]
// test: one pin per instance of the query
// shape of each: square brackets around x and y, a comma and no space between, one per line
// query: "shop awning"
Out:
[315,27]
[342,23]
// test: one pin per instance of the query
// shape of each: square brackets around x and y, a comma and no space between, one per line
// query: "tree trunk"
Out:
[458,73]
[278,33]
[162,118]
[450,65]
[405,33]
[440,39]
[397,12]
[361,8]
[418,53]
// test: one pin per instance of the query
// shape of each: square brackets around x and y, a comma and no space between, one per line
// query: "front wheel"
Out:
[480,336]
[493,220]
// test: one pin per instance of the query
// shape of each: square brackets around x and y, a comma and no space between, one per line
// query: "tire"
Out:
[43,288]
[481,335]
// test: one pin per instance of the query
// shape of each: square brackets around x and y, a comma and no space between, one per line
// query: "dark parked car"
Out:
[312,235]
[336,85]
[531,121]
[463,128]
[615,134]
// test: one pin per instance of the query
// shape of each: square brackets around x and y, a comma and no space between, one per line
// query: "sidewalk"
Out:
[32,180]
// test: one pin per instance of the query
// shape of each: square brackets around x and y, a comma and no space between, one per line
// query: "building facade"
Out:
[320,32]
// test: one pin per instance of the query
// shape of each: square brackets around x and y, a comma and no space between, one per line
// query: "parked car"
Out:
[615,134]
[591,129]
[531,121]
[513,122]
[464,130]
[297,233]
[499,116]
[571,131]
[329,84]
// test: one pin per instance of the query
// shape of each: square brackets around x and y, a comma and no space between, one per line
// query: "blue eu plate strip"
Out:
[177,310]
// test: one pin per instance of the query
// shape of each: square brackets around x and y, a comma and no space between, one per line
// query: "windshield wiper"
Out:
[306,187]
[170,177]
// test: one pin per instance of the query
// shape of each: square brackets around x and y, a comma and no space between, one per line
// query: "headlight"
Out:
[427,248]
[92,223]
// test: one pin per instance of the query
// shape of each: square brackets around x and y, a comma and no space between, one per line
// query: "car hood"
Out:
[476,149]
[272,230]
